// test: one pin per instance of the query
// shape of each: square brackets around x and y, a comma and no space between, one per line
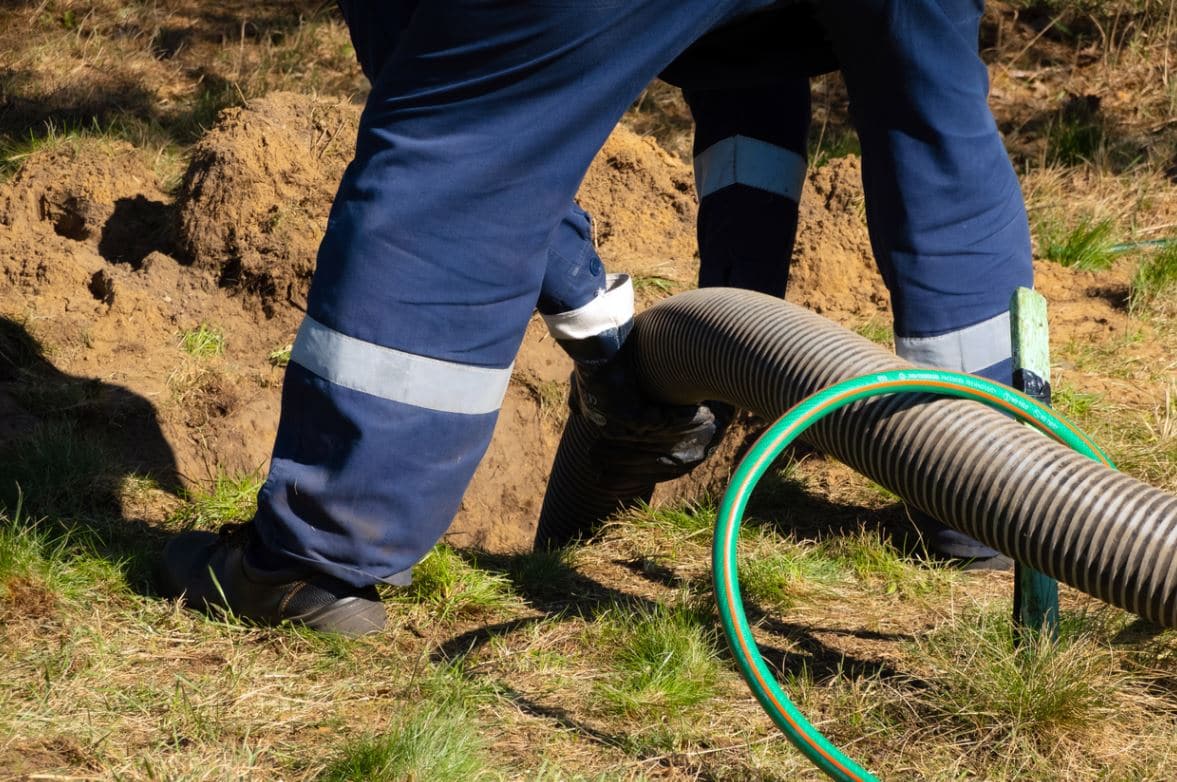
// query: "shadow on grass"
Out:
[68,448]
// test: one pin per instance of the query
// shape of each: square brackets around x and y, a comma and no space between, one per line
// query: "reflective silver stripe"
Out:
[969,349]
[748,161]
[610,310]
[398,376]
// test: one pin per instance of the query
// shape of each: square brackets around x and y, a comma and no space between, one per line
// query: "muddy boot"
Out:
[211,573]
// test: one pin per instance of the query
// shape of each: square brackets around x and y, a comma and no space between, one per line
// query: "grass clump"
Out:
[228,499]
[204,341]
[436,741]
[57,470]
[876,562]
[664,659]
[1086,247]
[985,684]
[452,588]
[1155,280]
[785,577]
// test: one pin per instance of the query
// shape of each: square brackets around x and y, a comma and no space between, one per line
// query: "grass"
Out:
[996,691]
[228,499]
[1086,247]
[664,659]
[433,742]
[600,662]
[280,357]
[57,469]
[1155,282]
[450,587]
[204,341]
[783,578]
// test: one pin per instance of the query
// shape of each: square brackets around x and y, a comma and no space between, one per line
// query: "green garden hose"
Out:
[727,592]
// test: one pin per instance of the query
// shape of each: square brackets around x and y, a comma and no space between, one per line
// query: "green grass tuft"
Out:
[692,518]
[664,659]
[1155,280]
[1087,247]
[876,562]
[436,741]
[452,588]
[204,341]
[784,577]
[57,470]
[228,499]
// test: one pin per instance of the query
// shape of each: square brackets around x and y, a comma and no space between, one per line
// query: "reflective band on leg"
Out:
[610,310]
[398,376]
[969,349]
[742,160]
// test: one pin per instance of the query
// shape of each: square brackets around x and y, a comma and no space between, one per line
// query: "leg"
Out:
[474,139]
[750,147]
[946,216]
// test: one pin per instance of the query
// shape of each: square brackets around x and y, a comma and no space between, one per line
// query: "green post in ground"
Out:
[1035,594]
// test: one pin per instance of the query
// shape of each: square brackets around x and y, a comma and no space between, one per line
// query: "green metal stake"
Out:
[1035,594]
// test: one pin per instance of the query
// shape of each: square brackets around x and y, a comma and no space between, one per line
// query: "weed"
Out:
[1087,247]
[664,660]
[280,357]
[1155,280]
[436,741]
[228,499]
[453,588]
[204,341]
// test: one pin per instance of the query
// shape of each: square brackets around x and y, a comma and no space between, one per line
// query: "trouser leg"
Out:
[946,216]
[474,139]
[750,148]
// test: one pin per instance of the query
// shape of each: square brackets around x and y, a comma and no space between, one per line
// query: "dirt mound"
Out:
[833,271]
[255,198]
[642,201]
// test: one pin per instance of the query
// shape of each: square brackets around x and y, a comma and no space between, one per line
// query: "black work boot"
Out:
[955,548]
[210,572]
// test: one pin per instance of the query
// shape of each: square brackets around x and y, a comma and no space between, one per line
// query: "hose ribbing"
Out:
[1099,531]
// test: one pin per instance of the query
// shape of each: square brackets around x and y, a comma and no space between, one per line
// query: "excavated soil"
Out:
[106,271]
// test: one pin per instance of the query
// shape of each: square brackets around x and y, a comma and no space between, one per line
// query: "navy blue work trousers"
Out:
[480,125]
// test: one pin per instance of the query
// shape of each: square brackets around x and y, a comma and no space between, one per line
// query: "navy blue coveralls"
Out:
[454,217]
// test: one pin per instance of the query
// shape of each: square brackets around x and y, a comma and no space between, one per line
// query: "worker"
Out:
[479,127]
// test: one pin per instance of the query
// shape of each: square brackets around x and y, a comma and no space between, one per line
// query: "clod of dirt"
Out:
[255,198]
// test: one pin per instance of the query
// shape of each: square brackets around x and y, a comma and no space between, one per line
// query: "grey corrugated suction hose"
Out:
[1100,531]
